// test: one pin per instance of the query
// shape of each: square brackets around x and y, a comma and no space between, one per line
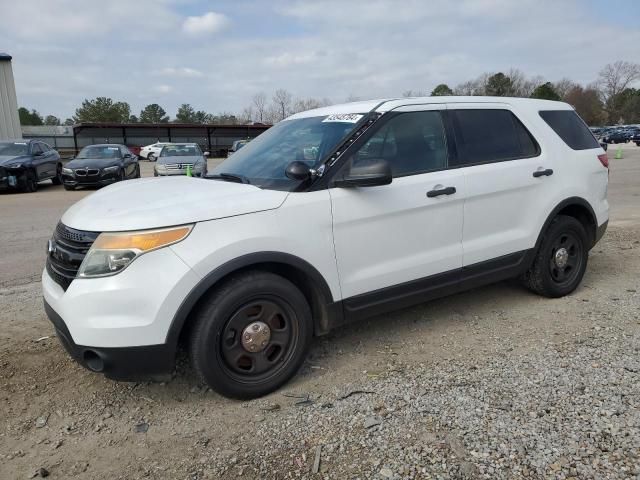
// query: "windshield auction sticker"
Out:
[344,117]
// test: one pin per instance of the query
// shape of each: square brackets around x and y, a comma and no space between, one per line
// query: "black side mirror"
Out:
[375,173]
[298,171]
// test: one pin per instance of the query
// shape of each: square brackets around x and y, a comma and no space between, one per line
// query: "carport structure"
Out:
[216,139]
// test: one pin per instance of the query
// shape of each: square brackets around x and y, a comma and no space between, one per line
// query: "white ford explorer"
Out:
[330,216]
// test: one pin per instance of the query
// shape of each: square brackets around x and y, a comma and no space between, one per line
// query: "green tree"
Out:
[186,114]
[630,105]
[52,120]
[441,90]
[102,109]
[153,113]
[499,85]
[545,92]
[29,117]
[69,122]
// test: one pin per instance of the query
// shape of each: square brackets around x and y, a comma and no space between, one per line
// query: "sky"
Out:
[216,55]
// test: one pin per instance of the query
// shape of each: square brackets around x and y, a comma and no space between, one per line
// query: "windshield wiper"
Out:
[230,177]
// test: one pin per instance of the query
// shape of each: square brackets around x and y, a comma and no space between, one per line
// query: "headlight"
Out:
[14,165]
[67,171]
[113,252]
[113,169]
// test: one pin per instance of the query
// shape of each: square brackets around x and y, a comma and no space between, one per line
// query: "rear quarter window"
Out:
[570,128]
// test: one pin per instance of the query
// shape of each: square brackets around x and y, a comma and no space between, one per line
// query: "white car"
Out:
[151,152]
[333,215]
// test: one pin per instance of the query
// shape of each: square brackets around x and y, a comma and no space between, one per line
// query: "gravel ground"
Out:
[492,383]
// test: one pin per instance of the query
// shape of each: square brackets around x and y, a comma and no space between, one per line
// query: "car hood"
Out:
[7,159]
[162,202]
[181,159]
[92,162]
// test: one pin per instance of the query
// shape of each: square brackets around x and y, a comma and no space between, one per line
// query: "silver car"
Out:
[180,158]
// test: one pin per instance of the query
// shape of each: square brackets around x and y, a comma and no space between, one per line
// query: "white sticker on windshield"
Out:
[344,117]
[113,148]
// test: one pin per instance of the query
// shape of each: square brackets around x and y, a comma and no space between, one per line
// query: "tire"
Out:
[69,188]
[547,275]
[121,176]
[30,182]
[151,157]
[248,302]
[638,144]
[137,171]
[57,180]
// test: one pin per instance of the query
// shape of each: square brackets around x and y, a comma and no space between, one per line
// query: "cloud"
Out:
[163,88]
[210,22]
[185,72]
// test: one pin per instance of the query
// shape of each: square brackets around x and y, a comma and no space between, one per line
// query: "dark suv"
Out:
[24,163]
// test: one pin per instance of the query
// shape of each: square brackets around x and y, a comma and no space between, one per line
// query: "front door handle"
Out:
[441,191]
[541,173]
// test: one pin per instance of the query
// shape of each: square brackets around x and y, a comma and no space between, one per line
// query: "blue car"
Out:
[25,163]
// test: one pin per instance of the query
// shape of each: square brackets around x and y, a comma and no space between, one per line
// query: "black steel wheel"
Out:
[561,259]
[251,335]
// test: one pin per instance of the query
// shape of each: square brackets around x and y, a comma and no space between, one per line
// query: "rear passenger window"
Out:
[570,128]
[412,143]
[484,136]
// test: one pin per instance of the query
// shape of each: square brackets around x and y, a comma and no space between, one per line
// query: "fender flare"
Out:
[244,261]
[563,204]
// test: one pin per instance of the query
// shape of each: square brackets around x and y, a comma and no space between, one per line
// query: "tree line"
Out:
[610,99]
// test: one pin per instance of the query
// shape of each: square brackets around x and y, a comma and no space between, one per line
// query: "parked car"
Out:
[151,152]
[177,158]
[635,138]
[617,136]
[25,163]
[330,216]
[99,165]
[237,145]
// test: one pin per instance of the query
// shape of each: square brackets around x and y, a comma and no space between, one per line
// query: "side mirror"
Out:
[375,173]
[206,154]
[127,155]
[298,171]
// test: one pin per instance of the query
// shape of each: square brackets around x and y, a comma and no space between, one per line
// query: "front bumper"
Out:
[196,172]
[92,181]
[155,362]
[10,177]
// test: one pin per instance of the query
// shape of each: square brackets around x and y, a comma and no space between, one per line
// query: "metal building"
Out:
[9,121]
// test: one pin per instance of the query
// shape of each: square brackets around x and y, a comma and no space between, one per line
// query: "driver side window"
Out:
[411,142]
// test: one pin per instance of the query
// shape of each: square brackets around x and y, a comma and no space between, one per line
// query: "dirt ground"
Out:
[59,417]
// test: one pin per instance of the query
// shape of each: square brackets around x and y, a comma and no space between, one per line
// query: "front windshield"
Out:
[180,151]
[99,152]
[264,159]
[13,148]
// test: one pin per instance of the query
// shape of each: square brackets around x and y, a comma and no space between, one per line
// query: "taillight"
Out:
[604,160]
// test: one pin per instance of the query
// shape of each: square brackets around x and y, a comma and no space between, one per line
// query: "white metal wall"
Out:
[9,122]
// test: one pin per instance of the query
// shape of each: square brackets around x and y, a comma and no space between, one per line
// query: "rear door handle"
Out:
[441,191]
[541,173]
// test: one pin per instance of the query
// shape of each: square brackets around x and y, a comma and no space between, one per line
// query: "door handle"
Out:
[441,191]
[541,173]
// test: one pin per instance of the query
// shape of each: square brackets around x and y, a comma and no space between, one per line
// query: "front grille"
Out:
[85,172]
[68,249]
[178,166]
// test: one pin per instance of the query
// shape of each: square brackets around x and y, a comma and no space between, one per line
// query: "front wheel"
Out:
[251,335]
[30,182]
[561,259]
[57,180]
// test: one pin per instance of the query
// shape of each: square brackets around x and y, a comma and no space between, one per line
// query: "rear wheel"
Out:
[137,171]
[57,180]
[251,335]
[151,157]
[561,259]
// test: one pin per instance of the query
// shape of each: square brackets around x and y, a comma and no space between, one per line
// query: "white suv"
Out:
[330,216]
